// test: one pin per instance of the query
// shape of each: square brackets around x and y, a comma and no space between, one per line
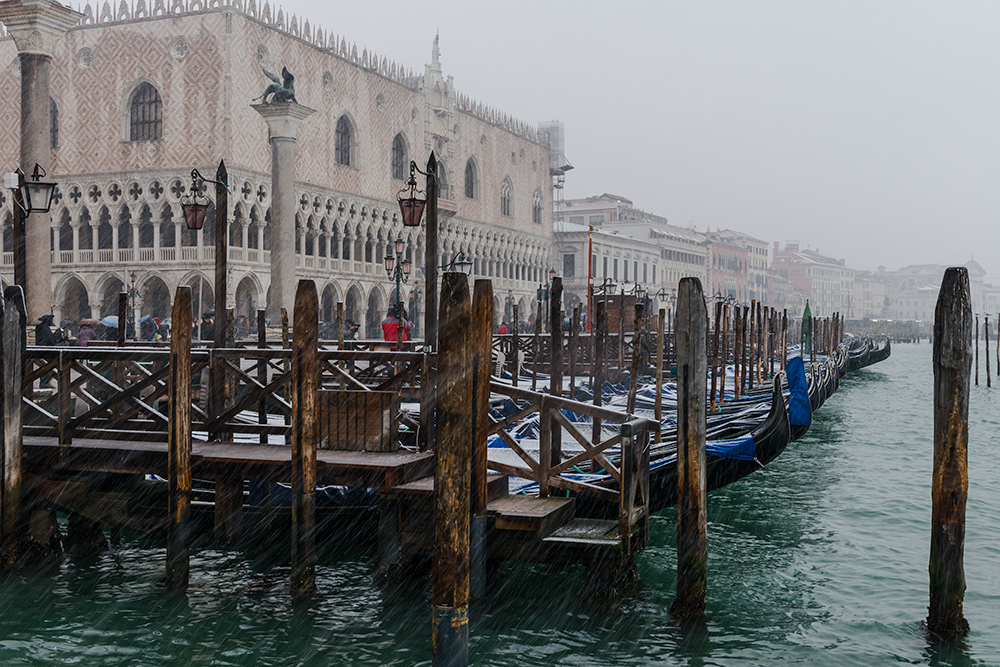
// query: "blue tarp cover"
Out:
[799,412]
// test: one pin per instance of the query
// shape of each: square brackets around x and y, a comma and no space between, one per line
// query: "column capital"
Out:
[283,118]
[36,25]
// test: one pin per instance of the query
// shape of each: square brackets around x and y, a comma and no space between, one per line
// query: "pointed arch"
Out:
[471,179]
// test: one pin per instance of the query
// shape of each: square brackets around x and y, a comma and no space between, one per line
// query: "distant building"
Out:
[681,252]
[758,264]
[727,269]
[827,282]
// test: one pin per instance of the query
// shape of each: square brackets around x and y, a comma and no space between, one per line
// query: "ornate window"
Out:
[343,141]
[471,179]
[399,158]
[536,208]
[145,114]
[505,207]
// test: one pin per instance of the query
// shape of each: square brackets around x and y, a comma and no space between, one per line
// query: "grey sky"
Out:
[865,129]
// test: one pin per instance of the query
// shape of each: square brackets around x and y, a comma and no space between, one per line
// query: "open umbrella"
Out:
[145,318]
[88,322]
[110,321]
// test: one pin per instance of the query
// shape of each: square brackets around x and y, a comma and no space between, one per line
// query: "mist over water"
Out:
[820,558]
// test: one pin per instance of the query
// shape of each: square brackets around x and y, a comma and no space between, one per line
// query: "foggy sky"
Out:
[867,130]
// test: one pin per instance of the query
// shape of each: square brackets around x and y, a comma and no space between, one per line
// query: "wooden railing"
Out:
[124,390]
[630,471]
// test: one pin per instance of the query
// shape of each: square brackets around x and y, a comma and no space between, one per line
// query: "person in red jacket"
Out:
[503,328]
[390,326]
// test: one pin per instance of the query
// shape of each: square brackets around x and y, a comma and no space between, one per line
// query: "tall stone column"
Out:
[36,26]
[283,120]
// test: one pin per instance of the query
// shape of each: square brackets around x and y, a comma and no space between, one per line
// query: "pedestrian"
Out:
[503,328]
[208,325]
[391,324]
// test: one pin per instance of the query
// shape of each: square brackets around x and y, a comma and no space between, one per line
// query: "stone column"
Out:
[283,120]
[36,26]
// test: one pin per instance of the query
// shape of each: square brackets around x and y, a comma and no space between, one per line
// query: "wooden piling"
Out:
[737,346]
[515,342]
[482,344]
[977,350]
[179,444]
[715,354]
[660,341]
[986,342]
[574,343]
[637,361]
[725,352]
[692,516]
[744,344]
[450,576]
[784,338]
[123,318]
[752,344]
[949,492]
[482,350]
[537,353]
[600,333]
[556,357]
[11,522]
[305,438]
[262,371]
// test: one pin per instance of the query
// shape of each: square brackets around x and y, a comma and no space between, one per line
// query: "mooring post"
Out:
[660,341]
[482,351]
[600,333]
[515,344]
[11,523]
[450,576]
[977,350]
[574,344]
[950,489]
[636,369]
[744,343]
[737,345]
[556,357]
[986,342]
[305,438]
[179,444]
[725,353]
[752,340]
[784,338]
[262,377]
[715,353]
[692,516]
[537,352]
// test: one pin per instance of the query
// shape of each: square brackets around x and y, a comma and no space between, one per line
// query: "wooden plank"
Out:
[11,522]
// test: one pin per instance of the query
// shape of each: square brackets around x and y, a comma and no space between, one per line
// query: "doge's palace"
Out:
[143,93]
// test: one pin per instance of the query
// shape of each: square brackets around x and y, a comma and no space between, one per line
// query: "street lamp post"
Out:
[30,196]
[397,268]
[133,293]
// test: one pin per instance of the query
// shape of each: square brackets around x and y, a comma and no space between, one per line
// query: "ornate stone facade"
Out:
[117,208]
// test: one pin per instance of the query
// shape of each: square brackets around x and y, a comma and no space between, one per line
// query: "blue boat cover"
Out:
[799,412]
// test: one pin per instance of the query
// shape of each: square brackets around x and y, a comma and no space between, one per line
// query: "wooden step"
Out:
[586,533]
[530,513]
[496,487]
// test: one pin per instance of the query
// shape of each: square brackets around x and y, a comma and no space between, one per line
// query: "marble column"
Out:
[36,26]
[283,120]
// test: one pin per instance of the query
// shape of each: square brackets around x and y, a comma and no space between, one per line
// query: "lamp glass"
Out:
[37,196]
[398,245]
[389,262]
[407,266]
[194,214]
[412,209]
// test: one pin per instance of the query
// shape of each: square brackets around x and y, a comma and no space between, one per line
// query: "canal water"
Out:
[820,559]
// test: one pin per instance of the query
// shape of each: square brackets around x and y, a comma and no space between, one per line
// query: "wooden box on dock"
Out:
[358,420]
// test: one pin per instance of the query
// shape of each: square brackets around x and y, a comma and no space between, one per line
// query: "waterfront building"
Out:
[757,264]
[727,269]
[143,93]
[827,282]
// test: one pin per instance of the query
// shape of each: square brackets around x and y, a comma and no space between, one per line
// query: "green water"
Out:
[820,559]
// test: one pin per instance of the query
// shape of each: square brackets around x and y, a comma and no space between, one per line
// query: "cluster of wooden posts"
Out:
[984,335]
